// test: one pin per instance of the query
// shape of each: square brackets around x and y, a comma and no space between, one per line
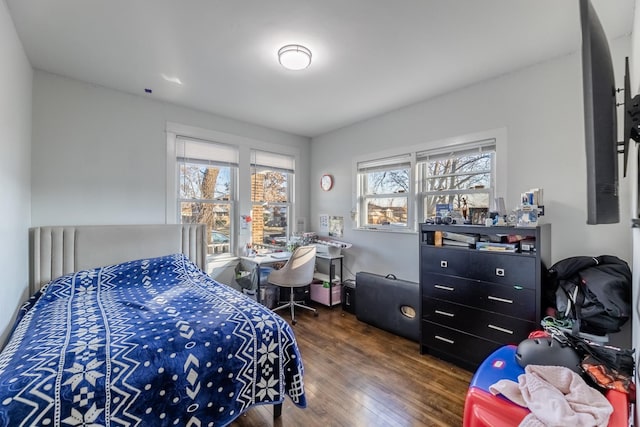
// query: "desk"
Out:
[276,257]
[267,259]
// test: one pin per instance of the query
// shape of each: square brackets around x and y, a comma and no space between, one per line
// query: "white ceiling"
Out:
[369,56]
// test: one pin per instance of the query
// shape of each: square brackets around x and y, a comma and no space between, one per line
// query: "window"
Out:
[384,189]
[461,177]
[207,174]
[271,189]
[397,191]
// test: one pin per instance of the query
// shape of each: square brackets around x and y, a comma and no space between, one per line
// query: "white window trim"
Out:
[243,190]
[423,159]
[500,187]
[386,163]
[275,162]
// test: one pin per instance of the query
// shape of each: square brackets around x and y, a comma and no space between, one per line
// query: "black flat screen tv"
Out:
[601,129]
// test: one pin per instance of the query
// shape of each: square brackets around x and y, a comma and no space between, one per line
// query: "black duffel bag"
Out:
[594,292]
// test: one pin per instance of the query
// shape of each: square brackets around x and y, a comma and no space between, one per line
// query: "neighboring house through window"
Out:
[385,189]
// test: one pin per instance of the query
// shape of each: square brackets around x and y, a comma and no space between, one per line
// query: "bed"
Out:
[124,328]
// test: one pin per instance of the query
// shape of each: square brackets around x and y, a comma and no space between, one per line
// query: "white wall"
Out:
[541,109]
[99,155]
[16,78]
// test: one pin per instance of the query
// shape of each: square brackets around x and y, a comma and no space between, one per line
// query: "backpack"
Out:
[593,292]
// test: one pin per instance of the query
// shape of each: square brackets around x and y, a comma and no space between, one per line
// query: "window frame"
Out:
[243,204]
[458,151]
[415,212]
[390,163]
[261,161]
[231,153]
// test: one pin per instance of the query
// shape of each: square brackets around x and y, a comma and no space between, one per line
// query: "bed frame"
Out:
[56,251]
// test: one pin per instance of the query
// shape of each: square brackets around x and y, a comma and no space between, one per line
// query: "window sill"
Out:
[221,257]
[386,229]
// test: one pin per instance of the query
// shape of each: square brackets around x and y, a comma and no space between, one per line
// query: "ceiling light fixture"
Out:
[294,57]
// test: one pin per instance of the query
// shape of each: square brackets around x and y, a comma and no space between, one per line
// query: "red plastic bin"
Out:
[483,409]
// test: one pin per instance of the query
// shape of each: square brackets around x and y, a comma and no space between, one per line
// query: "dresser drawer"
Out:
[509,300]
[452,288]
[485,324]
[456,343]
[507,269]
[512,301]
[453,262]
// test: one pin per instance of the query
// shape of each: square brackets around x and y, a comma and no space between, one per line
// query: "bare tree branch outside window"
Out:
[205,198]
[450,181]
[460,182]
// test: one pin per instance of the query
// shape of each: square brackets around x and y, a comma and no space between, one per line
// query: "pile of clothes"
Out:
[565,377]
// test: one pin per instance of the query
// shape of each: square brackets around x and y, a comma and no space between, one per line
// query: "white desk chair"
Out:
[296,273]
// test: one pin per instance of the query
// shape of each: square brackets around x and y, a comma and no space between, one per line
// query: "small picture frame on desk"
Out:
[478,215]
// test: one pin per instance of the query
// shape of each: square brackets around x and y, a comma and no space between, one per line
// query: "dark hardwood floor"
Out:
[359,375]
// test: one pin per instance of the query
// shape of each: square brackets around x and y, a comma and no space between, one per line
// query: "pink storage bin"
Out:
[321,294]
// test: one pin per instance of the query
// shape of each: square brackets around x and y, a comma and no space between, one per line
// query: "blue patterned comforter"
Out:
[149,342]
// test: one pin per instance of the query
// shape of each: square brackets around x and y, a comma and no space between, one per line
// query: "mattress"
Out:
[146,342]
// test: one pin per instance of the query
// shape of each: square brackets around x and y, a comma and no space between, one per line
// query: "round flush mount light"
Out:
[294,57]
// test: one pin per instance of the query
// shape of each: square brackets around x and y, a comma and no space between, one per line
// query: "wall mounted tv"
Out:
[600,119]
[601,130]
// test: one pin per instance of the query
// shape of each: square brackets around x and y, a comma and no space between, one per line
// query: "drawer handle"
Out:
[444,264]
[498,328]
[447,340]
[444,288]
[500,272]
[444,313]
[508,301]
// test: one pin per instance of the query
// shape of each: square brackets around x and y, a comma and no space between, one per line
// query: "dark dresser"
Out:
[475,301]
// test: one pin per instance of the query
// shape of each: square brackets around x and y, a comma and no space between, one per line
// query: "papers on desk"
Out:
[331,247]
[281,255]
[333,243]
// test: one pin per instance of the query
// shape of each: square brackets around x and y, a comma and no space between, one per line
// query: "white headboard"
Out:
[56,251]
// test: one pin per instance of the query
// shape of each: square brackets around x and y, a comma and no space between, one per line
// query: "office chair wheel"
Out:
[294,321]
[315,314]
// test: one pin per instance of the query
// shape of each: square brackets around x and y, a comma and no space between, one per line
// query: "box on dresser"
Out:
[475,301]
